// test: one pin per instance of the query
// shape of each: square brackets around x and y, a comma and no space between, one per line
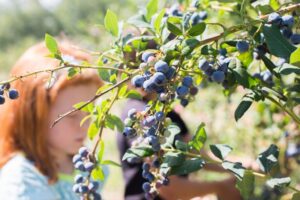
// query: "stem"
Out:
[293,188]
[96,67]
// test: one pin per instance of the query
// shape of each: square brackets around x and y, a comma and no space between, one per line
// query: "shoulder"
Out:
[20,179]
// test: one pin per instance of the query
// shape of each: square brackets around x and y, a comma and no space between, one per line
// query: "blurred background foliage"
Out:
[24,23]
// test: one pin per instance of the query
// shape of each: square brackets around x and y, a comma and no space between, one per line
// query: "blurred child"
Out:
[36,160]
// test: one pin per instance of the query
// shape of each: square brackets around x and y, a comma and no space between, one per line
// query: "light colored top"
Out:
[21,180]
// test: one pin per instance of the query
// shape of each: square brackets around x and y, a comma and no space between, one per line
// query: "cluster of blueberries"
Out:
[285,23]
[153,181]
[187,87]
[82,185]
[11,93]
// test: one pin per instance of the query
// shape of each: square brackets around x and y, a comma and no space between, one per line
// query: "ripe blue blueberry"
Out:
[5,86]
[1,91]
[93,185]
[161,66]
[286,32]
[83,189]
[150,177]
[156,163]
[182,91]
[170,73]
[223,67]
[76,188]
[83,152]
[195,19]
[78,178]
[156,147]
[89,166]
[80,166]
[288,20]
[184,102]
[149,121]
[2,99]
[148,85]
[187,81]
[166,181]
[174,10]
[13,94]
[129,132]
[145,173]
[146,187]
[193,91]
[274,18]
[146,55]
[96,196]
[242,46]
[203,65]
[138,80]
[159,78]
[146,167]
[203,15]
[159,116]
[218,76]
[76,158]
[104,60]
[153,140]
[151,131]
[132,113]
[222,52]
[295,38]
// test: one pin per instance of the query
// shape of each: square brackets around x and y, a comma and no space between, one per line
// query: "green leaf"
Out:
[88,108]
[246,185]
[220,150]
[111,23]
[296,196]
[157,22]
[151,9]
[295,57]
[279,182]
[276,43]
[116,121]
[197,29]
[173,28]
[242,77]
[172,131]
[173,158]
[98,174]
[182,146]
[199,138]
[287,69]
[100,151]
[93,130]
[51,44]
[268,158]
[138,152]
[72,72]
[236,168]
[269,64]
[110,162]
[133,94]
[243,107]
[246,58]
[188,166]
[189,45]
[123,91]
[104,74]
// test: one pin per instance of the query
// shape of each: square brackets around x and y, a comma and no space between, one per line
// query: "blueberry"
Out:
[295,38]
[134,160]
[150,177]
[76,188]
[187,81]
[93,185]
[274,18]
[159,78]
[195,3]
[76,158]
[170,73]
[195,19]
[78,178]
[83,152]
[83,189]
[166,181]
[146,187]
[286,32]
[5,86]
[13,94]
[223,67]
[203,15]
[146,167]
[156,163]
[149,121]
[156,147]
[2,99]
[242,46]
[151,131]
[148,85]
[218,76]
[193,91]
[288,20]
[96,196]
[182,91]
[222,52]
[209,72]
[89,166]
[104,60]
[203,65]
[145,173]
[80,166]
[267,76]
[146,55]
[153,140]
[1,91]
[174,10]
[132,113]
[129,132]
[184,102]
[159,116]
[138,80]
[161,66]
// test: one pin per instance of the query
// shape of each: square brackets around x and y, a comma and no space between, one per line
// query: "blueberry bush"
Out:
[171,52]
